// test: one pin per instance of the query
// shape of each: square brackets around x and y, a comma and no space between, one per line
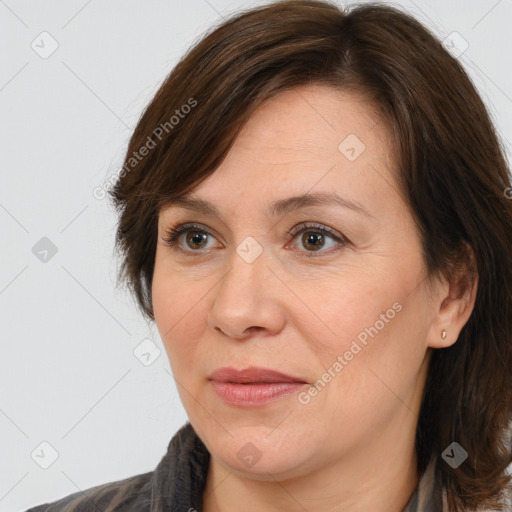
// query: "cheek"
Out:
[364,335]
[180,318]
[345,310]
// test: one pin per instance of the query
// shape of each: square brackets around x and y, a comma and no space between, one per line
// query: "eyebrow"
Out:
[277,208]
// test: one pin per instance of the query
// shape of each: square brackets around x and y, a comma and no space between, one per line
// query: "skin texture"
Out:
[298,306]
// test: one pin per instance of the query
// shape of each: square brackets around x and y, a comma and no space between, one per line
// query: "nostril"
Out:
[254,328]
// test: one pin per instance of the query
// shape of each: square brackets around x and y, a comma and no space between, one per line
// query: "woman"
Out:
[314,211]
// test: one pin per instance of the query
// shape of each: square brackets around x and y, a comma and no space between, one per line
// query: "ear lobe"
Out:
[456,301]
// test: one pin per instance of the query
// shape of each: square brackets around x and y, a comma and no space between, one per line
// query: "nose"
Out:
[248,299]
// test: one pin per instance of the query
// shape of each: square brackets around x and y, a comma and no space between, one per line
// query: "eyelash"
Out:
[172,234]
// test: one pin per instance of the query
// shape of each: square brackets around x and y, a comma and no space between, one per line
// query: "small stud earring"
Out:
[443,334]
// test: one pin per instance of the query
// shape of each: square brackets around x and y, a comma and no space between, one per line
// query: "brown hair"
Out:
[450,167]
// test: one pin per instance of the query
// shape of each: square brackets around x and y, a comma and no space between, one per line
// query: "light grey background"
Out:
[69,376]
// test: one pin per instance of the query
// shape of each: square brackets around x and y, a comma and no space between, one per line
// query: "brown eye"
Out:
[195,238]
[315,237]
[312,240]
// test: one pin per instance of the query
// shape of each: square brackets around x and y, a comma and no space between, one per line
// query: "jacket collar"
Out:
[179,480]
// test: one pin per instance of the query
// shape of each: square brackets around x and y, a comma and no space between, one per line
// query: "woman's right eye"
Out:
[195,235]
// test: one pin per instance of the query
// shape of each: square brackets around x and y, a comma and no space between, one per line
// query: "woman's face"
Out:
[345,312]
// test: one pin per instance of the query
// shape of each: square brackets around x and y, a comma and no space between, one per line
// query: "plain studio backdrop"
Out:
[86,394]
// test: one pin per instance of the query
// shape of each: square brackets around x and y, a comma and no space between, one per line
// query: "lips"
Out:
[252,375]
[253,386]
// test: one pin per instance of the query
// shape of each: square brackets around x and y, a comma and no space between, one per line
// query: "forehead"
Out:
[310,139]
[315,116]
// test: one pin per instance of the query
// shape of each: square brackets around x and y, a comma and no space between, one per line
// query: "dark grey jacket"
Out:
[177,484]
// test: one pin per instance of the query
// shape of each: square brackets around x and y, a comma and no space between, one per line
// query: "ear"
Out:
[454,301]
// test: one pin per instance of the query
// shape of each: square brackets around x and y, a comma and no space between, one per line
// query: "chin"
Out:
[264,454]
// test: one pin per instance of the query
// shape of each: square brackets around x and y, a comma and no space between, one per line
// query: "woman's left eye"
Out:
[314,237]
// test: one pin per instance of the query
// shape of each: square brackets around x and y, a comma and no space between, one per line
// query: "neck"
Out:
[381,477]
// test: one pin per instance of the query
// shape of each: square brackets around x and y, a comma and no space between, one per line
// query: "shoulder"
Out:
[125,495]
[178,480]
